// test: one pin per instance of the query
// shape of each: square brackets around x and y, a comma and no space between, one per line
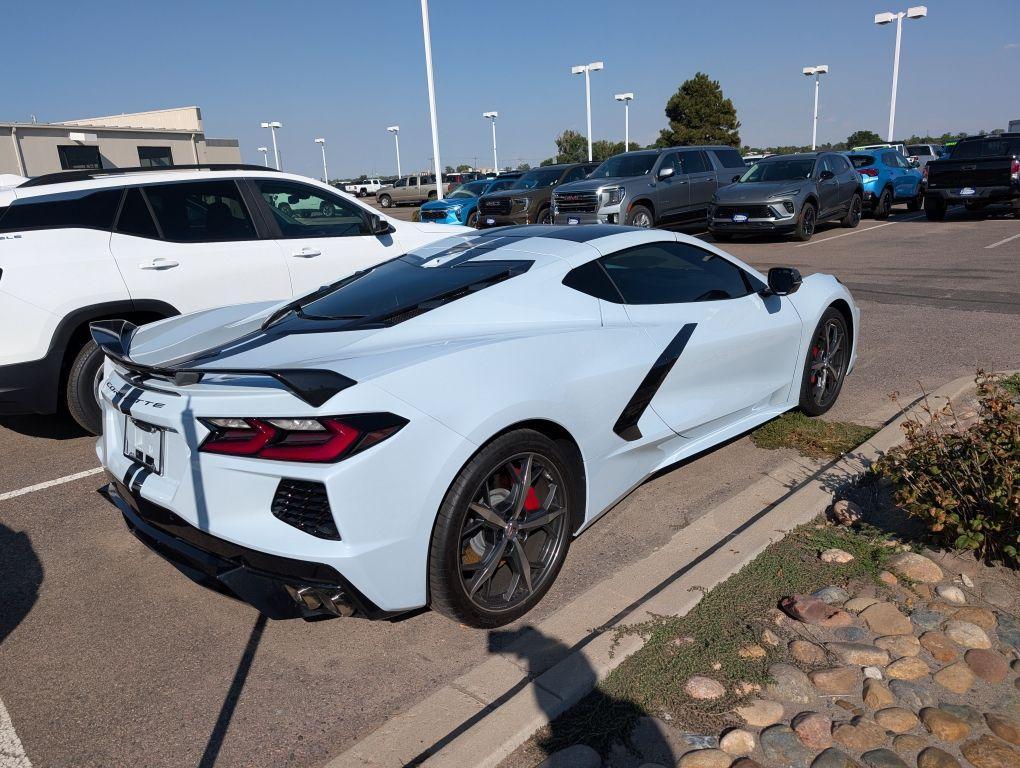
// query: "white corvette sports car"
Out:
[434,430]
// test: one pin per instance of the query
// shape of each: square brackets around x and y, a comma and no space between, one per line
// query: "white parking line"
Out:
[12,754]
[858,231]
[49,484]
[1002,242]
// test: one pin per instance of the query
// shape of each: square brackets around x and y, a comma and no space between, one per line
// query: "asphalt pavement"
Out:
[109,657]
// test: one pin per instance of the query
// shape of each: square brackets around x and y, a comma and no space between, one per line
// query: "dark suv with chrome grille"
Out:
[529,200]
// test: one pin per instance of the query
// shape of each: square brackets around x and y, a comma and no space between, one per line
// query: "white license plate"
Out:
[573,221]
[490,221]
[967,191]
[144,443]
[739,218]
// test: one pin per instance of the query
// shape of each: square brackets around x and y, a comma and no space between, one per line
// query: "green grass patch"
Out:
[812,437]
[1012,384]
[729,617]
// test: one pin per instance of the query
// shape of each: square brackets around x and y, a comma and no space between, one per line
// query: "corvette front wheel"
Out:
[503,530]
[825,368]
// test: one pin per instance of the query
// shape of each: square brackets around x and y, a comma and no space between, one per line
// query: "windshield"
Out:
[779,170]
[630,164]
[538,178]
[498,184]
[471,189]
[861,161]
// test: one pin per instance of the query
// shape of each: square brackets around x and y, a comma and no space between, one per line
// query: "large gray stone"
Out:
[883,758]
[789,684]
[782,747]
[834,758]
[913,695]
[1009,629]
[925,620]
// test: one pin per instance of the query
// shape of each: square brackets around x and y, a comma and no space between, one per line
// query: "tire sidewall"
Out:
[807,404]
[385,201]
[446,592]
[635,212]
[800,232]
[884,204]
[80,393]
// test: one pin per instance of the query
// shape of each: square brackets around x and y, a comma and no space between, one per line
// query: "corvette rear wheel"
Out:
[503,531]
[826,364]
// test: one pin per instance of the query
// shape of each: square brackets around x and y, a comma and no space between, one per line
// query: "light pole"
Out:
[916,12]
[432,96]
[325,173]
[821,69]
[265,156]
[595,66]
[395,130]
[626,98]
[492,116]
[272,129]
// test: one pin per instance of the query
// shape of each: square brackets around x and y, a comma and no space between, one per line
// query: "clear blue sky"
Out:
[346,70]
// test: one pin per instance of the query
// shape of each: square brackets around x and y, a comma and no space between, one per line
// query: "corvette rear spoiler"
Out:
[313,386]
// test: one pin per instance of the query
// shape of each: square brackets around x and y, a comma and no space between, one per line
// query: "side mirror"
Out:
[379,225]
[784,280]
[826,175]
[736,178]
[665,173]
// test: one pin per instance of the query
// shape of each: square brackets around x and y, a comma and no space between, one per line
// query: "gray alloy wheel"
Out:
[513,535]
[640,217]
[385,201]
[544,217]
[826,365]
[472,219]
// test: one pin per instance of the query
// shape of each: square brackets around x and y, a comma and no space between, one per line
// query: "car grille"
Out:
[305,506]
[577,202]
[497,205]
[750,211]
[433,215]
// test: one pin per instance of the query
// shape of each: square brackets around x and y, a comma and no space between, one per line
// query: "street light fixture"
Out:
[395,130]
[492,116]
[915,12]
[821,69]
[626,98]
[265,156]
[595,66]
[427,33]
[272,126]
[325,173]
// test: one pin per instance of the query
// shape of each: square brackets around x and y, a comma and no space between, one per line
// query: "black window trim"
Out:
[148,207]
[272,227]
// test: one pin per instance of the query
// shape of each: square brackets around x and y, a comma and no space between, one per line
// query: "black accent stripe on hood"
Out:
[626,426]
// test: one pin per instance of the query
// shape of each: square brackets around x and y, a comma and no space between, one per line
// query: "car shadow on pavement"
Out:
[219,732]
[538,652]
[21,575]
[55,427]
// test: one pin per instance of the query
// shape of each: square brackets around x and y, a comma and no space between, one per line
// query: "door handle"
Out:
[307,253]
[681,181]
[159,264]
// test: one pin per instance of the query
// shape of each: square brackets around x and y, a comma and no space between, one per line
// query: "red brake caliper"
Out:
[814,356]
[531,501]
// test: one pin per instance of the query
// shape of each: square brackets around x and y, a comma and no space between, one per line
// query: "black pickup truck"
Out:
[979,170]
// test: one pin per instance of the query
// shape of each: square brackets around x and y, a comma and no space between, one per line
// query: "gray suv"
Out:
[789,194]
[649,187]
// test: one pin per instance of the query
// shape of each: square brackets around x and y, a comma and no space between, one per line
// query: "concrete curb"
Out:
[484,715]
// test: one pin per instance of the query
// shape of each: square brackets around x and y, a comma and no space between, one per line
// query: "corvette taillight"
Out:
[319,440]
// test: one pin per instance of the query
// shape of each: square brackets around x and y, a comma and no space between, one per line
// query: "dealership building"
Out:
[159,138]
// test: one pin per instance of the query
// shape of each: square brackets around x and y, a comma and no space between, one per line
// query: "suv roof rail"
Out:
[85,175]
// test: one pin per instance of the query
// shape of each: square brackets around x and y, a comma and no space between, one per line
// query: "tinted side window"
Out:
[591,278]
[839,164]
[575,174]
[728,158]
[673,273]
[991,147]
[135,218]
[672,160]
[201,211]
[83,209]
[693,162]
[303,211]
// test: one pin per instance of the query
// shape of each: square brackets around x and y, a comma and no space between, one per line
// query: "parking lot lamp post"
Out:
[395,130]
[265,156]
[626,98]
[595,66]
[915,12]
[325,173]
[272,129]
[492,116]
[432,96]
[821,69]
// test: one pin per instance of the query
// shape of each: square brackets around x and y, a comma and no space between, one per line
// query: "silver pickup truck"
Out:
[410,189]
[649,187]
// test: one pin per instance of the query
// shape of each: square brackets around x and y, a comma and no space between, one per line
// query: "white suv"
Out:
[144,244]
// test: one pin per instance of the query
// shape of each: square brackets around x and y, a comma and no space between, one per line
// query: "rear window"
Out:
[918,149]
[862,161]
[990,147]
[83,209]
[729,158]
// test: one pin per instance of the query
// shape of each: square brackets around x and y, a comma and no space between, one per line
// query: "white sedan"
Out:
[433,431]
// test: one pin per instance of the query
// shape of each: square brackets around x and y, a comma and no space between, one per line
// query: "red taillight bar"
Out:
[867,172]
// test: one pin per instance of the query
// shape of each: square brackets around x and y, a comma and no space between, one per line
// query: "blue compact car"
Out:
[461,205]
[888,178]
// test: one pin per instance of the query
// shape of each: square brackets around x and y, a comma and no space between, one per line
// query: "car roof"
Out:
[797,156]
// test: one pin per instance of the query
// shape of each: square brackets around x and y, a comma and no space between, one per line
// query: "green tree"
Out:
[861,138]
[463,167]
[524,166]
[571,147]
[547,161]
[698,113]
[448,169]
